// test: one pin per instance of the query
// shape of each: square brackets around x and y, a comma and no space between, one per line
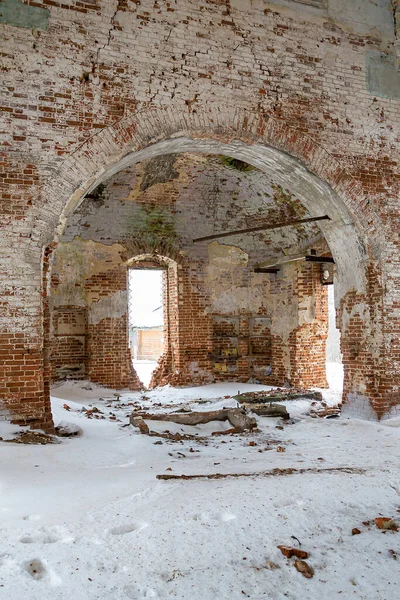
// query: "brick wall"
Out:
[69,339]
[150,344]
[109,359]
[170,361]
[276,335]
[308,342]
[283,86]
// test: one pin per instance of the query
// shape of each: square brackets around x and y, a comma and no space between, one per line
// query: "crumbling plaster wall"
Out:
[85,85]
[154,208]
[88,306]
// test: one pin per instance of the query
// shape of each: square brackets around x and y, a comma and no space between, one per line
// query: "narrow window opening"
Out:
[146,320]
[334,366]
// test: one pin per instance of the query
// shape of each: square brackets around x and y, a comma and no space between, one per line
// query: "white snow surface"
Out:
[87,518]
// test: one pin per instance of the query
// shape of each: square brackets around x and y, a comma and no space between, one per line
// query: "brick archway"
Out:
[263,141]
[317,178]
[321,182]
[115,148]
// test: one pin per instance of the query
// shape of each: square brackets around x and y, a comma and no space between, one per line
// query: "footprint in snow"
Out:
[128,528]
[220,517]
[27,539]
[135,593]
[47,535]
[40,571]
[224,517]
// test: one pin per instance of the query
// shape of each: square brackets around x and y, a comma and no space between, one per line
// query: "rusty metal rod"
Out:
[261,228]
[320,259]
[265,270]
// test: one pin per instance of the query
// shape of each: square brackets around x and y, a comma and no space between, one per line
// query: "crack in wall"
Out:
[110,31]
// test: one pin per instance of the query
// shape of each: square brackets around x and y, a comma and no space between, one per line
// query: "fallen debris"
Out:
[271,566]
[289,551]
[386,523]
[272,473]
[304,568]
[277,394]
[139,422]
[355,531]
[325,412]
[297,539]
[68,430]
[236,416]
[264,410]
[32,437]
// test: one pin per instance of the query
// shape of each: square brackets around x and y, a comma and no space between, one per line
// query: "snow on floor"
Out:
[334,375]
[87,518]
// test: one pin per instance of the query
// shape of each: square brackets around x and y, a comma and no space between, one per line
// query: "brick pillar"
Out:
[279,357]
[370,346]
[165,372]
[195,330]
[299,326]
[389,378]
[308,341]
[109,359]
[24,389]
[188,334]
[243,349]
[284,320]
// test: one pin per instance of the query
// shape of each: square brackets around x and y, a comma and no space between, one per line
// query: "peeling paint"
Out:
[18,14]
[382,75]
[77,261]
[111,307]
[225,256]
[306,308]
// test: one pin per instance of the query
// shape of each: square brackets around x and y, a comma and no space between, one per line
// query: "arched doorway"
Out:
[162,347]
[323,185]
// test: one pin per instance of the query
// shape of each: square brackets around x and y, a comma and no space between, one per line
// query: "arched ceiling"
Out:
[177,197]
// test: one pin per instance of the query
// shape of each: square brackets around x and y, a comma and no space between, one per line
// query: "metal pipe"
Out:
[261,228]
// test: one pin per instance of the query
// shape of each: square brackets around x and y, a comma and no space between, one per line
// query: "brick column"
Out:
[299,314]
[24,376]
[370,335]
[109,359]
[188,339]
[308,341]
[165,372]
[195,331]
